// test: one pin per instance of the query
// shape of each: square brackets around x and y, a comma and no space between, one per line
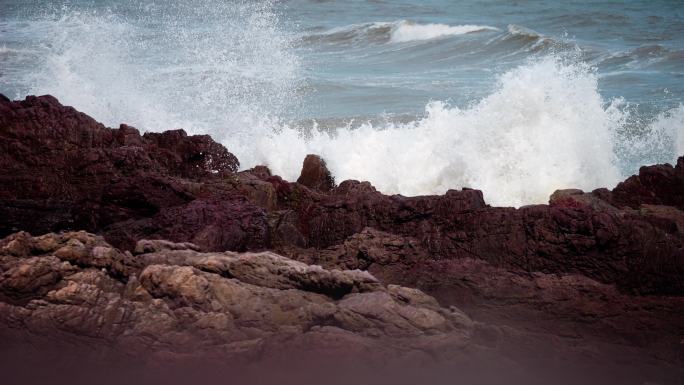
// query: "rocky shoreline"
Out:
[156,246]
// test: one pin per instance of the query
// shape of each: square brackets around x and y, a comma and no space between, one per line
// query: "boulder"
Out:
[315,174]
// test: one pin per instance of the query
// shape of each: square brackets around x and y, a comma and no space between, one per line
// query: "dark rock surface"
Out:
[656,185]
[594,279]
[63,170]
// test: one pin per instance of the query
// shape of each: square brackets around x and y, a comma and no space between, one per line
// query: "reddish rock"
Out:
[189,156]
[60,169]
[638,252]
[74,296]
[315,174]
[656,185]
[213,225]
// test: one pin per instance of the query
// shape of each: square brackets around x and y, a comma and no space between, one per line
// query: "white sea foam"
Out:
[404,31]
[545,128]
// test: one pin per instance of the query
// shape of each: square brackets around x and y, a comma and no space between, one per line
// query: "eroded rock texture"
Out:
[592,279]
[172,300]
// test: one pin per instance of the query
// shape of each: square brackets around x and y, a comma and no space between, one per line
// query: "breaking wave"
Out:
[546,127]
[406,31]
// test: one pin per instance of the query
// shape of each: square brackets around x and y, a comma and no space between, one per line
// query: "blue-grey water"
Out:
[517,98]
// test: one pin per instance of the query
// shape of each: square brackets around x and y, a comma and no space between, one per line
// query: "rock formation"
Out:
[225,303]
[184,253]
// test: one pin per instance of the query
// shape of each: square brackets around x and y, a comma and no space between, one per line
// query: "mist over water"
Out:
[417,98]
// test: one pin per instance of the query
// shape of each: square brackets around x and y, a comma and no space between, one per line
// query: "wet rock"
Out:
[315,174]
[189,156]
[212,225]
[671,217]
[62,171]
[577,198]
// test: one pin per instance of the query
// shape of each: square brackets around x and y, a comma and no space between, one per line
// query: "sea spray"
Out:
[545,128]
[205,66]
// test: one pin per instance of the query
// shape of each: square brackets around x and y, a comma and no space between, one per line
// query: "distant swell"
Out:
[391,32]
[488,39]
[650,56]
[406,31]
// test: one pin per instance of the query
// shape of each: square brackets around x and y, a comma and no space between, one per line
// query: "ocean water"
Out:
[516,98]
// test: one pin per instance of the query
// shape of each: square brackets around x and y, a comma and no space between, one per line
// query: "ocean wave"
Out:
[527,33]
[546,127]
[366,32]
[405,31]
[416,39]
[532,40]
[400,31]
[645,57]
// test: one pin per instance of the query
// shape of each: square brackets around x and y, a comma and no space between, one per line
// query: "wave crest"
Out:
[405,31]
[400,31]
